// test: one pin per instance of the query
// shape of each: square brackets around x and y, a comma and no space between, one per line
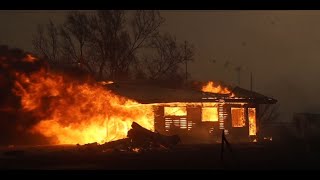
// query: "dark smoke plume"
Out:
[14,123]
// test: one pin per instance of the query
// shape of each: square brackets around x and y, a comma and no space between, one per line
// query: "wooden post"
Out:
[222,145]
[224,140]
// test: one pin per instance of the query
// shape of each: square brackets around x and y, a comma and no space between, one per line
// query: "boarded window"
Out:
[238,119]
[252,121]
[175,116]
[175,111]
[210,114]
[180,122]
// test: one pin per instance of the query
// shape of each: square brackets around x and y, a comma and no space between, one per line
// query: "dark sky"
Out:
[280,48]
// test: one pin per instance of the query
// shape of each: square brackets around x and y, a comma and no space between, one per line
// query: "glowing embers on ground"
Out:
[71,112]
[267,138]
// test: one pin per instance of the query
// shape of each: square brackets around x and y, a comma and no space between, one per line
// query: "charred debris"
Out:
[139,139]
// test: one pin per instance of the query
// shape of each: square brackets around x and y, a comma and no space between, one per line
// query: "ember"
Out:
[29,58]
[267,138]
[106,82]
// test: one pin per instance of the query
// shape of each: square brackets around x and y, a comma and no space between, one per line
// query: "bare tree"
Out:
[65,44]
[110,44]
[75,35]
[46,42]
[170,55]
[117,43]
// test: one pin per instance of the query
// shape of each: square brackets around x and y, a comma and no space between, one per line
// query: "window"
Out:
[237,115]
[210,114]
[175,116]
[175,111]
[180,122]
[252,121]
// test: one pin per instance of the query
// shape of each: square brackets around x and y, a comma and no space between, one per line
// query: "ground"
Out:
[272,155]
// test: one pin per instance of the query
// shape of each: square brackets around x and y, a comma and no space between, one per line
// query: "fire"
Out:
[136,150]
[106,82]
[252,121]
[212,88]
[72,112]
[29,58]
[175,111]
[267,138]
[237,115]
[210,114]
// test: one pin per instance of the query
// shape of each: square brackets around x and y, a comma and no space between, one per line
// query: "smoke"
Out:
[14,123]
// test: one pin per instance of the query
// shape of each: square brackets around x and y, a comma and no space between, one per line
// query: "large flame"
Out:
[77,112]
[212,88]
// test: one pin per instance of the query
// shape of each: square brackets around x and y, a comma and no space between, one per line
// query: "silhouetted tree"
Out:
[46,42]
[117,42]
[166,63]
[75,35]
[110,44]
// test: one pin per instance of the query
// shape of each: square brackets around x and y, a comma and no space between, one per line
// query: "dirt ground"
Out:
[251,156]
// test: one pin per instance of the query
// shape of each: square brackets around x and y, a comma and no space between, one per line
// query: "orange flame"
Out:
[29,58]
[73,112]
[106,82]
[252,121]
[237,115]
[212,88]
[175,111]
[210,114]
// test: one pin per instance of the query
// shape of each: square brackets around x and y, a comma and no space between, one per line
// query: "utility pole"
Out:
[239,77]
[251,80]
[238,69]
[186,60]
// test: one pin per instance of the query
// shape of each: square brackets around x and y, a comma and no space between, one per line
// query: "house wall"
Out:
[211,130]
[239,133]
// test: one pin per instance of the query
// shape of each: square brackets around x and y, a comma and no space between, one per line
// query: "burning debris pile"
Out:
[139,139]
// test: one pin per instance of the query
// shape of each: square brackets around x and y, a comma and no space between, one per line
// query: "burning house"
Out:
[64,110]
[199,114]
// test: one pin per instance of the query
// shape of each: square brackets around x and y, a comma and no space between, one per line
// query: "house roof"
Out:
[148,94]
[252,96]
